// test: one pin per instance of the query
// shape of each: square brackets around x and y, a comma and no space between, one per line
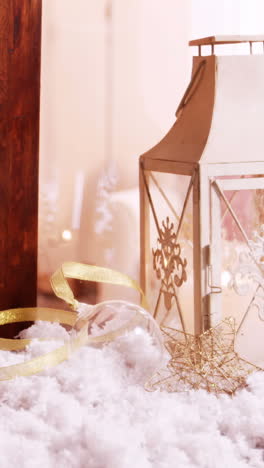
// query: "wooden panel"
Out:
[3,50]
[20,41]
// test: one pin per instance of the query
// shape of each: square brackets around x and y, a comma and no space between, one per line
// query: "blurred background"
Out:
[113,73]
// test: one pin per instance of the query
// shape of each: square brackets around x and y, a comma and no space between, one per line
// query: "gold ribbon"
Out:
[62,290]
[32,314]
[84,272]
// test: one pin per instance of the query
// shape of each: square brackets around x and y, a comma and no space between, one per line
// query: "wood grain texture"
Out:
[20,46]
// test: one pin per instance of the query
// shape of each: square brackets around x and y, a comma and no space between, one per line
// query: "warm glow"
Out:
[66,235]
[225,278]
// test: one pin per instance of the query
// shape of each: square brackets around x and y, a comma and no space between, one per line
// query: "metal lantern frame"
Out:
[191,148]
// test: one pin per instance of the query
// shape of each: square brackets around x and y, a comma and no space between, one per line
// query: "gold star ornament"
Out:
[207,361]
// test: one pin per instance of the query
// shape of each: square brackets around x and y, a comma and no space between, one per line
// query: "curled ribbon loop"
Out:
[62,290]
[94,273]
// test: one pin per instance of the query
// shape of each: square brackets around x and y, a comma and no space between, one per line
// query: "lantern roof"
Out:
[220,117]
[232,39]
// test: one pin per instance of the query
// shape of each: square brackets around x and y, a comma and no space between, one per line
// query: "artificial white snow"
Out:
[93,412]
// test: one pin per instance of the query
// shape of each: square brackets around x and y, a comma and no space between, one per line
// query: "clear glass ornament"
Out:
[130,328]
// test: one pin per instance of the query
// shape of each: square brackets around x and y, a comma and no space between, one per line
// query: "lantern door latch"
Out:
[214,289]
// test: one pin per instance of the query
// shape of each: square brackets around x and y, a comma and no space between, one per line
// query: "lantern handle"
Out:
[191,88]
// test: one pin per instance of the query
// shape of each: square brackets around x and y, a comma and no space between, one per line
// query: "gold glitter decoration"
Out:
[207,361]
[170,268]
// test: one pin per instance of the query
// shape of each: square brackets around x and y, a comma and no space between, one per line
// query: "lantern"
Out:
[201,201]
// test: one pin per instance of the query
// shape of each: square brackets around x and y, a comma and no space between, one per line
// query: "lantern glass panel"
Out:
[238,259]
[170,274]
